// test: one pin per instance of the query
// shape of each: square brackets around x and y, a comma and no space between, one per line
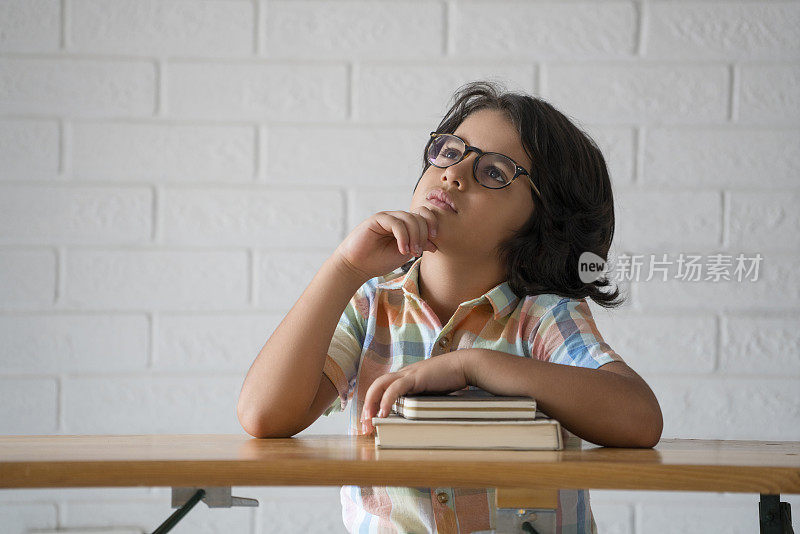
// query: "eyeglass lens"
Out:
[493,170]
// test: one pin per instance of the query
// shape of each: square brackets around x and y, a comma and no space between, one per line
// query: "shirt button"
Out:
[443,342]
[442,496]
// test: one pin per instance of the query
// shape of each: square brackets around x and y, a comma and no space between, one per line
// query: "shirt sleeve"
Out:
[344,352]
[568,335]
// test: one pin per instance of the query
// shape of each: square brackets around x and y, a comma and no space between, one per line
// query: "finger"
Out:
[373,397]
[412,225]
[433,222]
[397,227]
[423,231]
[396,389]
[431,217]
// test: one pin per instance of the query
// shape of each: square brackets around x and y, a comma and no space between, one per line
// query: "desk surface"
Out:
[314,460]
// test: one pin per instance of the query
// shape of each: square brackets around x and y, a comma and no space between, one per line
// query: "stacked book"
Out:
[470,418]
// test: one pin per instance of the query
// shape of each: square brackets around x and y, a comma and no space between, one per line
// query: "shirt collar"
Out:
[501,297]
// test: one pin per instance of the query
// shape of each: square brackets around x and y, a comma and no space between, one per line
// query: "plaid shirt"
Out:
[386,326]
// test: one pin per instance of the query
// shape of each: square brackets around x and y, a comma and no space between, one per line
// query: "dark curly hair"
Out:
[577,211]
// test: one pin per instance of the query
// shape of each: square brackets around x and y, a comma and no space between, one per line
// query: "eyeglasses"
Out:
[490,169]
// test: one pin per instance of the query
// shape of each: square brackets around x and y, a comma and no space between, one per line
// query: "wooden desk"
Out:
[523,478]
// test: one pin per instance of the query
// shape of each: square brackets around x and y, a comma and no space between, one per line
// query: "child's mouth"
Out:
[439,204]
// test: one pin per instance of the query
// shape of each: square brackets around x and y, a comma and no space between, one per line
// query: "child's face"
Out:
[485,217]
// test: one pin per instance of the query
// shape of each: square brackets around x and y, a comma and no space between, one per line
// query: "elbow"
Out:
[648,441]
[258,429]
[659,427]
[248,422]
[252,419]
[263,426]
[651,429]
[246,419]
[264,433]
[651,421]
[642,430]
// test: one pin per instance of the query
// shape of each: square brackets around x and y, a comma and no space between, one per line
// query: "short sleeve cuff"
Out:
[334,372]
[606,356]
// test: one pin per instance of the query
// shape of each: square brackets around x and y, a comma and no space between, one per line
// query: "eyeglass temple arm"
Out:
[533,185]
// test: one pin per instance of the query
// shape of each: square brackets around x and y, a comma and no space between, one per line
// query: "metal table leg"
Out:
[774,516]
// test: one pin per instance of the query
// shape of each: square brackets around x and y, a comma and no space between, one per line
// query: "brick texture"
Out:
[173,173]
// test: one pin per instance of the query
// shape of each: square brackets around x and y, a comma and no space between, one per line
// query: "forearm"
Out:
[599,406]
[284,378]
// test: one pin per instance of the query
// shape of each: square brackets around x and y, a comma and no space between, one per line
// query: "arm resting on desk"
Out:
[283,382]
[611,406]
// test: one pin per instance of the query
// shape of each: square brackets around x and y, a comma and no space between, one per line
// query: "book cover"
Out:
[466,404]
[397,432]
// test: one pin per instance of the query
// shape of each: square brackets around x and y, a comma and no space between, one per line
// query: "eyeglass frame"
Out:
[518,169]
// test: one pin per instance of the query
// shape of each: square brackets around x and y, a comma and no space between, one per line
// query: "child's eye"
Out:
[496,174]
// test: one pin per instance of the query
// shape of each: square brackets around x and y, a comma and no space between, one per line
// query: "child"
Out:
[485,292]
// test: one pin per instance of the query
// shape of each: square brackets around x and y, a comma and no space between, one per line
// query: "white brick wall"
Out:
[156,222]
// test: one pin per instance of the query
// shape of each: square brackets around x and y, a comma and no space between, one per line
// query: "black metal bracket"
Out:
[774,516]
[185,498]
